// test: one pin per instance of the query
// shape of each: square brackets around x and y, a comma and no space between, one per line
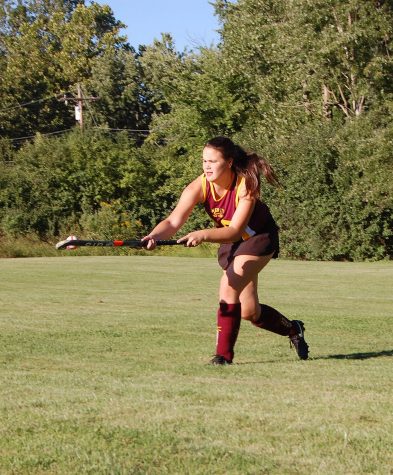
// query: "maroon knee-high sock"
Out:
[273,321]
[228,324]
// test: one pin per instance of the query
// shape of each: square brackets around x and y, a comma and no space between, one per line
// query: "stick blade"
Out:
[69,243]
[62,244]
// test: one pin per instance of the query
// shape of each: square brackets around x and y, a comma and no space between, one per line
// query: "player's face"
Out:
[214,164]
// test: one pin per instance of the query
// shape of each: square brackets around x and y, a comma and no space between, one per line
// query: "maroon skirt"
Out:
[258,245]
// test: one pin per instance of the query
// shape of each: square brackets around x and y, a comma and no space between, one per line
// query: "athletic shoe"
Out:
[298,341]
[219,360]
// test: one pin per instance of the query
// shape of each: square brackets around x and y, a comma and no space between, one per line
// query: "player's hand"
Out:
[192,239]
[151,242]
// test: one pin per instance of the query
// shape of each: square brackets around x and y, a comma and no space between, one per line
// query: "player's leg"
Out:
[249,301]
[241,281]
[268,318]
[228,325]
[240,273]
[238,276]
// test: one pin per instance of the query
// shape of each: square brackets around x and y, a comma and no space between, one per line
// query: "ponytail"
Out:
[249,165]
[255,165]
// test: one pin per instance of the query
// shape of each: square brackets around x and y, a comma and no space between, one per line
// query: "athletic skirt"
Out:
[258,245]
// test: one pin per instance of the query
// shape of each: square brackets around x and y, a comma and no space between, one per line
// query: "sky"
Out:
[191,23]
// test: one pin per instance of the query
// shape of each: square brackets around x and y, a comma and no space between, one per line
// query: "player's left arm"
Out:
[231,233]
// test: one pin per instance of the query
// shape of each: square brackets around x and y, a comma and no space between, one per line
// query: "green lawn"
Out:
[103,370]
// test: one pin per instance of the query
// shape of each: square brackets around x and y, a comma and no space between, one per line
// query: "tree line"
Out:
[306,84]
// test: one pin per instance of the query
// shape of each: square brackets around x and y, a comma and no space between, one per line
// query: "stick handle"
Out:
[160,242]
[133,243]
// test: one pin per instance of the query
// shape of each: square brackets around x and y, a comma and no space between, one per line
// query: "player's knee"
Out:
[250,314]
[228,294]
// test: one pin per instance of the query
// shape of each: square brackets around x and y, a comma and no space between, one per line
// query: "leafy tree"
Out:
[46,48]
[53,181]
[318,76]
[307,84]
[304,59]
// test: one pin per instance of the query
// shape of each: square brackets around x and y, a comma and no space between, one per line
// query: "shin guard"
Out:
[273,321]
[228,324]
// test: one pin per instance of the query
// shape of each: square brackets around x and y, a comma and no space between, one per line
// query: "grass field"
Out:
[103,370]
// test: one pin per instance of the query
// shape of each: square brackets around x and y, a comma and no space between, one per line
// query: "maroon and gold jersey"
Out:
[221,209]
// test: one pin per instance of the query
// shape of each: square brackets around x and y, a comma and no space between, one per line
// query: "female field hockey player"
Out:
[248,237]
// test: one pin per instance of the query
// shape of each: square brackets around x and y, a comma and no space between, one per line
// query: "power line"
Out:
[109,129]
[58,132]
[19,106]
[34,136]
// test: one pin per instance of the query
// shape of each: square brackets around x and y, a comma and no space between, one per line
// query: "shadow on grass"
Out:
[350,356]
[356,356]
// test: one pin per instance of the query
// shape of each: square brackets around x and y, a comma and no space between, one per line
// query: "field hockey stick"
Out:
[132,243]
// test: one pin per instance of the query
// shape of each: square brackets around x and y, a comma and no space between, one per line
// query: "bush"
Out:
[109,222]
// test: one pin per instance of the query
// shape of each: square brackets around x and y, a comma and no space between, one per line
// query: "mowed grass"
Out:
[104,370]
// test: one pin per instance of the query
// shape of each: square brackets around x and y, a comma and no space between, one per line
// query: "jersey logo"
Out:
[218,212]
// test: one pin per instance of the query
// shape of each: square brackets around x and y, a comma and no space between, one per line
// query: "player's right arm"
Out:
[190,196]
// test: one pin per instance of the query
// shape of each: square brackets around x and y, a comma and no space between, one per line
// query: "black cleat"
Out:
[298,341]
[219,360]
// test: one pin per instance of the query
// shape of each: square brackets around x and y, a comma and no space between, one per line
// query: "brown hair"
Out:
[246,164]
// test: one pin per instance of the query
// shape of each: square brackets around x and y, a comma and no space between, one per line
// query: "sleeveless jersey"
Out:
[222,209]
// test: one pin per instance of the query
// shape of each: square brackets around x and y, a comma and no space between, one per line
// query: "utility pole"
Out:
[78,101]
[79,112]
